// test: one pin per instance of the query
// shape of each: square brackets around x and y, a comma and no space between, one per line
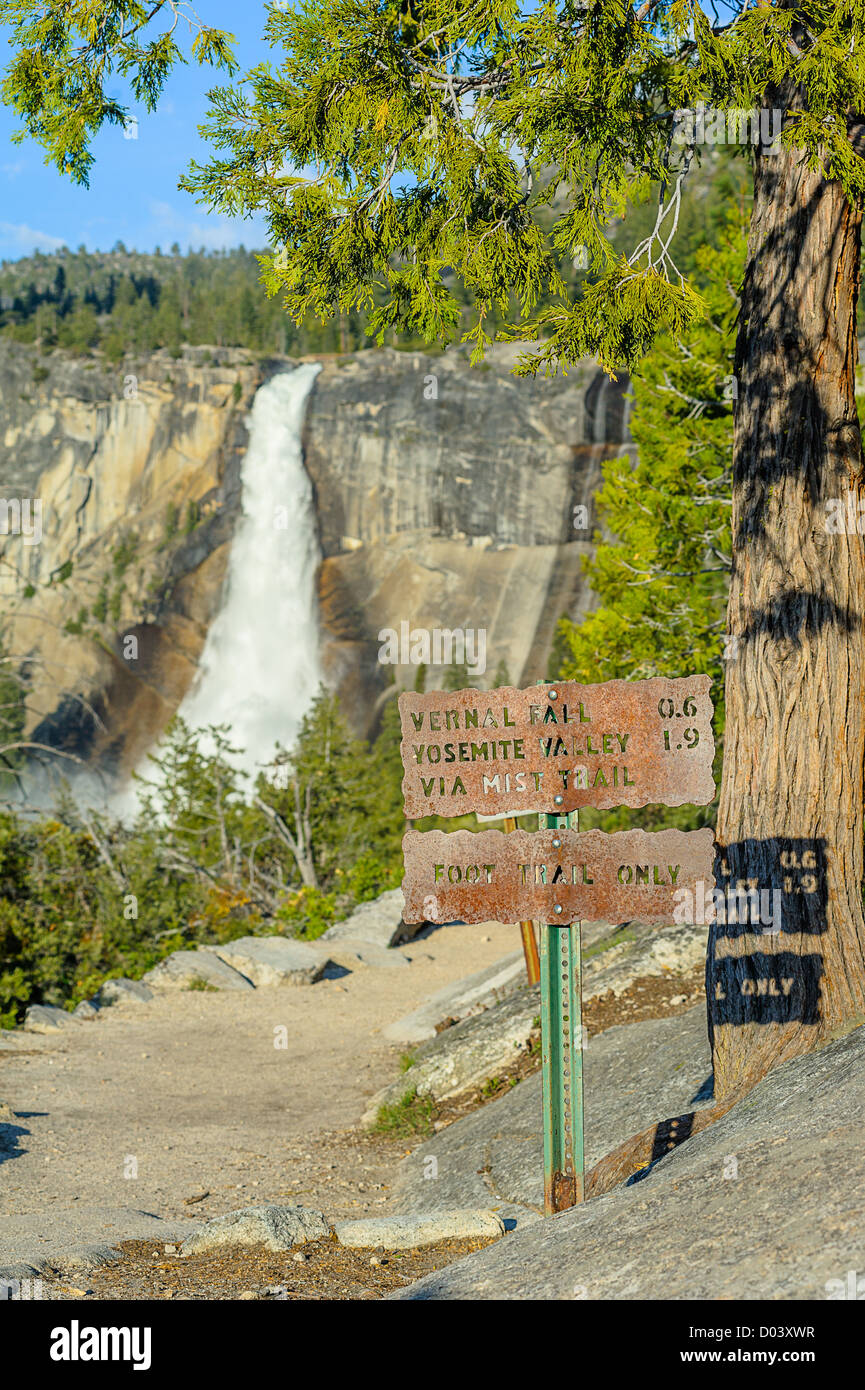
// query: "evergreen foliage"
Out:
[129,301]
[661,570]
[59,81]
[12,716]
[439,169]
[397,148]
[126,301]
[83,897]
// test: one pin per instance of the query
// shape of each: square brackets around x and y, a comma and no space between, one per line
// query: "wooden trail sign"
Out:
[557,747]
[557,876]
[554,748]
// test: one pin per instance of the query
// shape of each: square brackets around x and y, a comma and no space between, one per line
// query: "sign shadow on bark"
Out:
[779,982]
[764,964]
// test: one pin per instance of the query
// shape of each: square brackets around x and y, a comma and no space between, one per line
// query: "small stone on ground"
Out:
[45,1018]
[274,1227]
[195,969]
[414,1232]
[124,991]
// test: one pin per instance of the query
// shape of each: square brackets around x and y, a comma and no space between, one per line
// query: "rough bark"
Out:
[791,807]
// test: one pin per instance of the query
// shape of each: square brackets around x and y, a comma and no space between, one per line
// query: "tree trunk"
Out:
[791,809]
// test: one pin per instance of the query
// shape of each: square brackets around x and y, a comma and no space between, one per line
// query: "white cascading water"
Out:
[259,669]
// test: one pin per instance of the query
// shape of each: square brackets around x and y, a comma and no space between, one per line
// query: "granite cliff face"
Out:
[444,498]
[137,472]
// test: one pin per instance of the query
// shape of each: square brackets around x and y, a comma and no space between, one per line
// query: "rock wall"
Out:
[137,469]
[444,497]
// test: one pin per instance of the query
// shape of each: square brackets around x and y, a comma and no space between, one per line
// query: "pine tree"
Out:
[662,569]
[662,577]
[455,677]
[12,718]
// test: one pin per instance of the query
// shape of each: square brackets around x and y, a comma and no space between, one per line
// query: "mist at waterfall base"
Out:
[260,668]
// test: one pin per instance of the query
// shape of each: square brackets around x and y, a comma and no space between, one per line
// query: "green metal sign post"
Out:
[562,1054]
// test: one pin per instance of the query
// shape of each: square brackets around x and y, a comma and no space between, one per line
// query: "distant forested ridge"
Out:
[120,301]
[130,301]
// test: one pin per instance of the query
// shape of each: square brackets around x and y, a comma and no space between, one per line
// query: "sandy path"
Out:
[151,1103]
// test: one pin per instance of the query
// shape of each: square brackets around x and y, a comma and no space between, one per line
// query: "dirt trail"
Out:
[151,1104]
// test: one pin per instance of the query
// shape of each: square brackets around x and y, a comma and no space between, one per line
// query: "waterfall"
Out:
[259,669]
[599,433]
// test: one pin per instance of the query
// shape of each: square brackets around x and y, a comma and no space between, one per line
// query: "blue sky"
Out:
[133,195]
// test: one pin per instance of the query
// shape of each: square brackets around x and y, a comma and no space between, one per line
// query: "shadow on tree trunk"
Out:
[747,987]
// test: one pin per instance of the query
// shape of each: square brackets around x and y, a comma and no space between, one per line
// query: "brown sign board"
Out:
[558,746]
[558,876]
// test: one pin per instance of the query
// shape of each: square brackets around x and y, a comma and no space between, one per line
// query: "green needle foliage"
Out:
[662,574]
[410,156]
[12,718]
[123,301]
[400,150]
[65,55]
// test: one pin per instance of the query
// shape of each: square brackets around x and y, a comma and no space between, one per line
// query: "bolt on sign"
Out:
[557,747]
[556,876]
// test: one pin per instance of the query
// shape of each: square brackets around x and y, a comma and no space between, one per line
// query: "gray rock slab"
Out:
[356,953]
[464,997]
[765,1204]
[45,1018]
[593,932]
[634,1074]
[274,960]
[413,1232]
[379,921]
[76,1238]
[480,1046]
[467,1054]
[275,1227]
[625,955]
[123,991]
[640,951]
[182,969]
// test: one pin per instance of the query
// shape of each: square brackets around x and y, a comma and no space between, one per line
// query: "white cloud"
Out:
[170,225]
[28,239]
[13,170]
